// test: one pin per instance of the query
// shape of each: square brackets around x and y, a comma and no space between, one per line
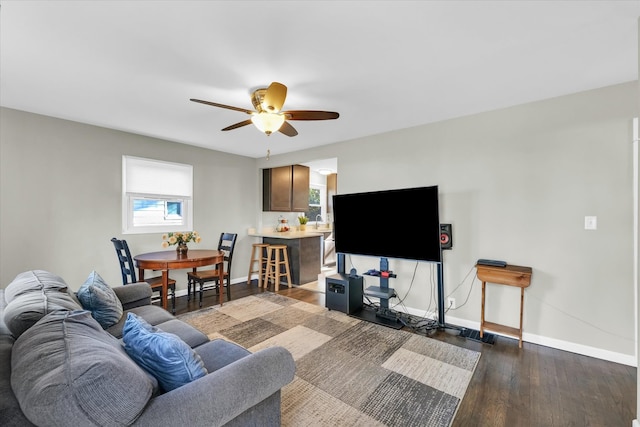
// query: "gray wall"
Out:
[516,185]
[60,199]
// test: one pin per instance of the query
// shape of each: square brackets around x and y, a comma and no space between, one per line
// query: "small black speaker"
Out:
[446,239]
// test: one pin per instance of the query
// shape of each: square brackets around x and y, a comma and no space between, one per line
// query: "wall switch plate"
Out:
[590,222]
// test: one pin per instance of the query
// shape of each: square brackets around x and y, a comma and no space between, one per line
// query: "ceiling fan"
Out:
[267,115]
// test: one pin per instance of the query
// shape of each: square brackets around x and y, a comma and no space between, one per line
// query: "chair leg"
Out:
[173,301]
[201,292]
[189,289]
[228,289]
[277,270]
[286,267]
[267,271]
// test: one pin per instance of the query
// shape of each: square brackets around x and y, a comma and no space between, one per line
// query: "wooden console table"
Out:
[511,275]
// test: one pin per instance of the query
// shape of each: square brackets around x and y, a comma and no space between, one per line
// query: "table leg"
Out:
[521,309]
[482,311]
[165,288]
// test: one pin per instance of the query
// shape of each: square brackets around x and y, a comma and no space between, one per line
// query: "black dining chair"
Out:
[227,244]
[128,271]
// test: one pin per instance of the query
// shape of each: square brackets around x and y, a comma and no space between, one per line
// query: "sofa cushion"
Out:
[33,294]
[162,354]
[152,314]
[10,413]
[184,331]
[86,377]
[218,353]
[98,297]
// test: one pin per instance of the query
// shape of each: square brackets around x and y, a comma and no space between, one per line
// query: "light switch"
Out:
[590,222]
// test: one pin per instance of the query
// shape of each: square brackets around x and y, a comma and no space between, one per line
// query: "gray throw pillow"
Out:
[33,294]
[66,370]
[98,297]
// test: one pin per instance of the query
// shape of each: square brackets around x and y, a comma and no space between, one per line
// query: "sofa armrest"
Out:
[221,396]
[134,294]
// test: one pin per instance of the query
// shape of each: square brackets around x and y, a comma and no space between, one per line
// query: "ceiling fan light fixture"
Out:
[268,122]
[267,116]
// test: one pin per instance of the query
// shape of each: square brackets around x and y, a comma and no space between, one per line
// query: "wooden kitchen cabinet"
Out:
[285,189]
[276,189]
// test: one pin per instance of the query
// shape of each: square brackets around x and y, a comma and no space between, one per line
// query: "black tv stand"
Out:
[441,323]
[383,292]
[382,315]
[374,315]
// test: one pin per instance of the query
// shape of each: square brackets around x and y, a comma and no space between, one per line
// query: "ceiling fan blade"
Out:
[310,115]
[274,97]
[228,107]
[287,129]
[238,125]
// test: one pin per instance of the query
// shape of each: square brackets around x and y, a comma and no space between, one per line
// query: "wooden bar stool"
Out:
[258,255]
[277,265]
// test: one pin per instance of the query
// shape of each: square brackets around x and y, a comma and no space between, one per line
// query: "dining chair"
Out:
[226,244]
[128,271]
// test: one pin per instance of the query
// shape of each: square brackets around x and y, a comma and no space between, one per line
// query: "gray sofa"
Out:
[59,367]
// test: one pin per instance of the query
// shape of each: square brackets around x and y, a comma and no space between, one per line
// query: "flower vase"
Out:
[302,227]
[182,249]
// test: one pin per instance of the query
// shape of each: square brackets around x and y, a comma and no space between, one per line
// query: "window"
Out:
[156,196]
[317,196]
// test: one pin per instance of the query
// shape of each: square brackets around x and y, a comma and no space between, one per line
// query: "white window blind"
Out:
[146,176]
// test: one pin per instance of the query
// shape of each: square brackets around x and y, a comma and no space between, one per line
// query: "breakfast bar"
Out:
[304,249]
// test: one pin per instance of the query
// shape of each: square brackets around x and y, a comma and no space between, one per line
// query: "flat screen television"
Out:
[402,223]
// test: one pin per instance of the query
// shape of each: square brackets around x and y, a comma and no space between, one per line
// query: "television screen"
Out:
[401,223]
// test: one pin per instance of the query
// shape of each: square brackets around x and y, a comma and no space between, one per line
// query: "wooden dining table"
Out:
[172,260]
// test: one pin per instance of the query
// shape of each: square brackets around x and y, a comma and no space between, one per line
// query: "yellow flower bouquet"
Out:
[180,238]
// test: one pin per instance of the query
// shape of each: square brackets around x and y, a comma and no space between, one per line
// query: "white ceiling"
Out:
[383,65]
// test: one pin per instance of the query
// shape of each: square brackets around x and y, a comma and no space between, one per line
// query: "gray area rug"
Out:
[348,372]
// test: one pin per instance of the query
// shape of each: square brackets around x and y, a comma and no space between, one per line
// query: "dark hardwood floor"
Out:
[512,387]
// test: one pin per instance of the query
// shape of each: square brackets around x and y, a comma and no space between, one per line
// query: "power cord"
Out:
[456,288]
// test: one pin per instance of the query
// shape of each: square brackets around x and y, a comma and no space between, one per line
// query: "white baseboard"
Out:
[585,350]
[598,353]
[635,423]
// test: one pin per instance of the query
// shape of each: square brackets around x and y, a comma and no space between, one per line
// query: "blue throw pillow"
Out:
[164,355]
[98,297]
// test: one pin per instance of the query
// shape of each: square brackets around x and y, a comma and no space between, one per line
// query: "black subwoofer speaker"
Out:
[446,239]
[344,293]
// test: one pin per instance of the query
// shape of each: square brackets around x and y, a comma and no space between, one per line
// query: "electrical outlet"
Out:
[451,303]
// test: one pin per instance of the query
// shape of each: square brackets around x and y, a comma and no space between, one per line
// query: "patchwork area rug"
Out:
[349,372]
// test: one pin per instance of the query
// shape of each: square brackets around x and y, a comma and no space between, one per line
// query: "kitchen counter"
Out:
[292,234]
[304,250]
